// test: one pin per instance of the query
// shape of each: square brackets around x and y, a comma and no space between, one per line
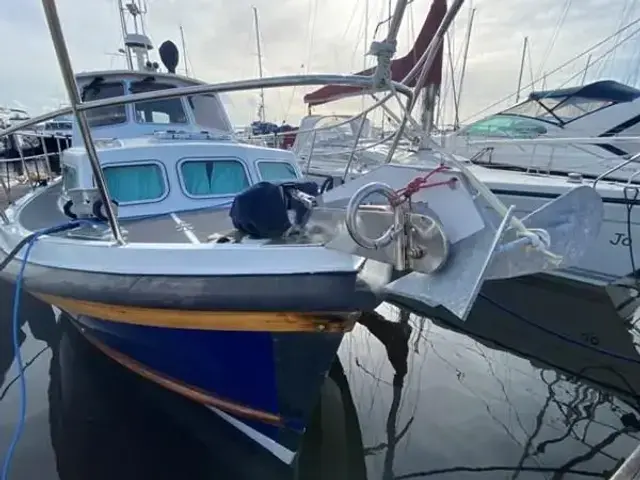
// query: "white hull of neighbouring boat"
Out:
[559,158]
[608,259]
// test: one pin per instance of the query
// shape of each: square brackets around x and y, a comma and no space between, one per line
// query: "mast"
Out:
[429,88]
[184,52]
[364,43]
[388,28]
[123,27]
[456,123]
[257,28]
[524,52]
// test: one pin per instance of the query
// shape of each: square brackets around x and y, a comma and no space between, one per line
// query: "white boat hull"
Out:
[608,258]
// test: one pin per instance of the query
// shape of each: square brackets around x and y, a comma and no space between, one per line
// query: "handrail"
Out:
[327,127]
[613,169]
[553,140]
[37,134]
[34,121]
[29,158]
[353,150]
[361,149]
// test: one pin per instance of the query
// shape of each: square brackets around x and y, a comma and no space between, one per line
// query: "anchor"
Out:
[446,237]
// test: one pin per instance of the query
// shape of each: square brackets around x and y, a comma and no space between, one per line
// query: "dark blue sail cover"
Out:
[261,211]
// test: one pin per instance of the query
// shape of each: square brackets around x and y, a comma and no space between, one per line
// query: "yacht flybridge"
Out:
[215,269]
[601,111]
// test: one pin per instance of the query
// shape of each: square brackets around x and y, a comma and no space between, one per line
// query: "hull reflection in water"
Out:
[151,432]
[573,329]
[265,383]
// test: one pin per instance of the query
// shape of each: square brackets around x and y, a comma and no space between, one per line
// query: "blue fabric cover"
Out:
[261,211]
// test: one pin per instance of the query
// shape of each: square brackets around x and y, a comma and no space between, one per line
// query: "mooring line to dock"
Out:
[28,241]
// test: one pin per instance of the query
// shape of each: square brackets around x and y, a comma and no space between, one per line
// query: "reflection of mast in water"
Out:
[395,338]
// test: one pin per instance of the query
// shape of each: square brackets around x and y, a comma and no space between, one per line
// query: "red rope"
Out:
[421,183]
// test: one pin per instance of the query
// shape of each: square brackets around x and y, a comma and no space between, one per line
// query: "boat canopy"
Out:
[565,105]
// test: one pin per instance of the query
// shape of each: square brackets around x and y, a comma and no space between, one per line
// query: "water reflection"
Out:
[36,317]
[395,338]
[100,412]
[409,396]
[503,418]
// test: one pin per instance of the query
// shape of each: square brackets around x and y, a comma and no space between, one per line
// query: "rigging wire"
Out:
[554,37]
[313,13]
[610,62]
[29,241]
[561,66]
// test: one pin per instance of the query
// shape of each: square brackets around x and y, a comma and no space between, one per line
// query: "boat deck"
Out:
[195,226]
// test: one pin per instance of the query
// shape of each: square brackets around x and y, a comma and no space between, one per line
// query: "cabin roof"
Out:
[135,73]
[605,90]
[156,141]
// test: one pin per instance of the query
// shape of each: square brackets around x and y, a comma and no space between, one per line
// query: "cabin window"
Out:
[506,126]
[213,177]
[576,107]
[69,177]
[276,171]
[104,116]
[135,183]
[165,111]
[209,112]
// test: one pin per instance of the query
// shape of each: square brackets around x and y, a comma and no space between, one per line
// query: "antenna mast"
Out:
[524,52]
[136,43]
[184,52]
[465,57]
[257,26]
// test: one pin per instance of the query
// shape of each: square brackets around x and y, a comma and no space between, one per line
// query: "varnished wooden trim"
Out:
[193,393]
[202,320]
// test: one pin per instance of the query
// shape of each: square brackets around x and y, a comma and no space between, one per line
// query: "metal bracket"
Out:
[411,242]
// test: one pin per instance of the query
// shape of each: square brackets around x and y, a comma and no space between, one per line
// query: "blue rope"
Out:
[16,344]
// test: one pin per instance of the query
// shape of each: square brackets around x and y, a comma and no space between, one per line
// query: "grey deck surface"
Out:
[43,212]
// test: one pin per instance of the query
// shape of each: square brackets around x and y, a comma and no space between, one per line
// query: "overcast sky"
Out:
[314,36]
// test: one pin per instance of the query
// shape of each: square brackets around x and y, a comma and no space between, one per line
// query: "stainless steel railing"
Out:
[21,165]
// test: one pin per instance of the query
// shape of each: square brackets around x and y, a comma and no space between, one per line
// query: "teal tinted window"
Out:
[276,171]
[135,183]
[506,126]
[213,177]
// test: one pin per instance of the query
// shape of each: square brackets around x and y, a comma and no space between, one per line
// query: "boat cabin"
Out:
[163,155]
[192,113]
[600,109]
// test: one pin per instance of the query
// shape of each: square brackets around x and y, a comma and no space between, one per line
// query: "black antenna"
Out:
[169,55]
